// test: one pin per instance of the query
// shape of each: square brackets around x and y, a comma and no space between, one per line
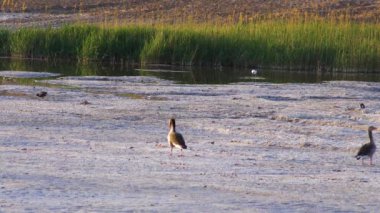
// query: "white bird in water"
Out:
[254,72]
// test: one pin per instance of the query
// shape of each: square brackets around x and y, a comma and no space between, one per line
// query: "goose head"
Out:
[371,128]
[171,123]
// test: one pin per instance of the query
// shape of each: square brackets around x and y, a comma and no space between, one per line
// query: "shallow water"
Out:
[10,16]
[188,75]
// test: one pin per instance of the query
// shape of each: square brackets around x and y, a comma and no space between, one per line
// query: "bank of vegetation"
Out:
[339,45]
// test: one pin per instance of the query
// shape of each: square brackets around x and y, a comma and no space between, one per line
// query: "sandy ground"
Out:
[253,147]
[54,13]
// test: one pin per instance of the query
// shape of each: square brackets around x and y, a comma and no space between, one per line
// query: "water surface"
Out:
[185,75]
[11,16]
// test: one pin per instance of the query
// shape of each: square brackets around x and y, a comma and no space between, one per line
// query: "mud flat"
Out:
[99,144]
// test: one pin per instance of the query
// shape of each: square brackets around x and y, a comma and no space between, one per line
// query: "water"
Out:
[188,75]
[11,16]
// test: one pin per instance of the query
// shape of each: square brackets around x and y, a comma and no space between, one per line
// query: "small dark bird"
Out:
[41,94]
[175,139]
[85,102]
[362,106]
[367,149]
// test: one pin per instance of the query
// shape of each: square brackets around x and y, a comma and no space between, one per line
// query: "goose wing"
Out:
[364,150]
[177,140]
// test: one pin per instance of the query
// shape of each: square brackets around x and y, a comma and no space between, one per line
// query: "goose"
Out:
[367,149]
[41,94]
[175,139]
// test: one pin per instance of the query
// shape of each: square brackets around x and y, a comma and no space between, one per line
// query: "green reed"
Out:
[310,44]
[4,42]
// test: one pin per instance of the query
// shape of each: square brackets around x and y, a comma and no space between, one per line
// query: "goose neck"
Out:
[370,137]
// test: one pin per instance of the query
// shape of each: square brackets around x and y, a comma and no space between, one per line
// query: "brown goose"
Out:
[175,139]
[367,149]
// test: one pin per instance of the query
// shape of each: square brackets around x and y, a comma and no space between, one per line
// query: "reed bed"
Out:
[311,44]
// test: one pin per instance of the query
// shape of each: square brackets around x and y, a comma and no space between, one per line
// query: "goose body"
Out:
[368,149]
[175,139]
[41,94]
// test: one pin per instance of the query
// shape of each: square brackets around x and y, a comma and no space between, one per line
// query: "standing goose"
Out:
[368,149]
[175,139]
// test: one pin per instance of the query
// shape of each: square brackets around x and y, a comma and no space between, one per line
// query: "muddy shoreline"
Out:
[252,146]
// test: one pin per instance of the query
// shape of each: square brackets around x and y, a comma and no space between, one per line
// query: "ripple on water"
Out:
[25,74]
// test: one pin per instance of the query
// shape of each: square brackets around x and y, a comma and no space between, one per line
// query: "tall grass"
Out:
[311,44]
[49,43]
[115,43]
[4,42]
